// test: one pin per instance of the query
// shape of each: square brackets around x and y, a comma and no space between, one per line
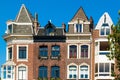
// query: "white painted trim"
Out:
[19,42]
[18,53]
[80,21]
[17,70]
[101,40]
[88,34]
[78,41]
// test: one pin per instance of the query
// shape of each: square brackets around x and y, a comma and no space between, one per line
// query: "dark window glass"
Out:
[43,72]
[22,52]
[73,51]
[55,51]
[10,53]
[84,51]
[49,31]
[107,31]
[107,67]
[96,68]
[10,28]
[43,51]
[78,27]
[102,31]
[55,72]
[101,67]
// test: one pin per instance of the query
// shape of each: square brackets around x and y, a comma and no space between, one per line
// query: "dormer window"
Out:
[10,28]
[105,30]
[79,28]
[50,31]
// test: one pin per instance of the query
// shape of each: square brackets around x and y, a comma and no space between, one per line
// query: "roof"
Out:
[80,14]
[24,15]
[104,20]
[9,63]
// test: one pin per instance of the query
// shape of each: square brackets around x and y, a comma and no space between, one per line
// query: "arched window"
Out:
[22,72]
[84,72]
[55,71]
[55,51]
[42,72]
[73,51]
[72,72]
[84,51]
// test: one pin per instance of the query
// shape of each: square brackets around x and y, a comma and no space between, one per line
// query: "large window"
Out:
[84,73]
[7,72]
[42,72]
[84,51]
[43,51]
[22,52]
[55,51]
[72,72]
[104,69]
[9,53]
[55,72]
[79,28]
[73,51]
[22,73]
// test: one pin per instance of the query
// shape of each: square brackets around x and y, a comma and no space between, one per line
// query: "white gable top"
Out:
[105,18]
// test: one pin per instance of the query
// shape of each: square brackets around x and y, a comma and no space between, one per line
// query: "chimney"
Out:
[91,23]
[64,26]
[36,24]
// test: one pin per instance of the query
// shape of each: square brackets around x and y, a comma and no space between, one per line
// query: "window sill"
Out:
[43,57]
[20,60]
[55,57]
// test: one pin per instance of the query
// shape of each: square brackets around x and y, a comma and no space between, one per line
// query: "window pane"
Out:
[84,71]
[101,67]
[72,72]
[43,72]
[107,67]
[107,31]
[112,67]
[102,32]
[4,74]
[43,51]
[73,51]
[49,30]
[84,51]
[10,53]
[78,27]
[22,52]
[96,68]
[55,50]
[10,28]
[55,72]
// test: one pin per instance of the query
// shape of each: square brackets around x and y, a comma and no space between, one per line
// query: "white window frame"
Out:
[7,55]
[75,29]
[105,28]
[72,64]
[18,72]
[12,72]
[18,52]
[8,29]
[69,50]
[88,71]
[88,51]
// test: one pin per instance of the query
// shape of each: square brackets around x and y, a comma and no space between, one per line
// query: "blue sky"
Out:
[57,11]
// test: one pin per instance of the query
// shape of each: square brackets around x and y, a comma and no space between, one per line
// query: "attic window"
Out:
[49,31]
[79,28]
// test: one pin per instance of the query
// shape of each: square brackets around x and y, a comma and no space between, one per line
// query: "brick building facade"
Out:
[49,52]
